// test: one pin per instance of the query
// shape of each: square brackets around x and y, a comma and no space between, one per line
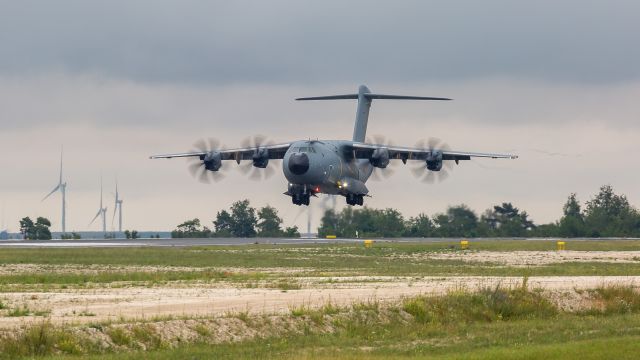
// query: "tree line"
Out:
[242,220]
[606,215]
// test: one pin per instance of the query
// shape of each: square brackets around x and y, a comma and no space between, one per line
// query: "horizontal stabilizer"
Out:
[402,97]
[372,96]
[331,97]
[365,98]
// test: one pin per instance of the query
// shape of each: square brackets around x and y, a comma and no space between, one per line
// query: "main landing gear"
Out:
[353,199]
[300,199]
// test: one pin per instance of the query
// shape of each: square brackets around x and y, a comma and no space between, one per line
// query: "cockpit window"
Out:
[308,149]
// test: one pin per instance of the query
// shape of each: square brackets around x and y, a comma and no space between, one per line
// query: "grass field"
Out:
[385,258]
[494,323]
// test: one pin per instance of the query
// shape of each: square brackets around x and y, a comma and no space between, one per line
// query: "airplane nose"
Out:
[299,163]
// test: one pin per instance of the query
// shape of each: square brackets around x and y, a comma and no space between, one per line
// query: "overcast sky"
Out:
[556,82]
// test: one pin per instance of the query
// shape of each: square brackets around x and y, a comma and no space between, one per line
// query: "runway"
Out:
[164,242]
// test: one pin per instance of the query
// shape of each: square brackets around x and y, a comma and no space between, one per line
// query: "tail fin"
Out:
[365,97]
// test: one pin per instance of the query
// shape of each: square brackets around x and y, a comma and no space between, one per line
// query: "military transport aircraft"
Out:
[336,167]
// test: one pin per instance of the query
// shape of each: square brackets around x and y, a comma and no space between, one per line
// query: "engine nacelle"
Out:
[434,161]
[260,158]
[212,161]
[380,158]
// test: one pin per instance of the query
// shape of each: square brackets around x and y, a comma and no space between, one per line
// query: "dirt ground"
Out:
[94,305]
[532,258]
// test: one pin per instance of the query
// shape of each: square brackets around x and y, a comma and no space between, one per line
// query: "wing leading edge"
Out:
[275,152]
[364,151]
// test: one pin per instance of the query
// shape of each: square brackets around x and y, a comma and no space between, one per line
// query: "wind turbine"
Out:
[62,186]
[118,207]
[102,211]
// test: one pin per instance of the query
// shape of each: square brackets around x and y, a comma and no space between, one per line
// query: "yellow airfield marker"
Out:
[464,244]
[561,245]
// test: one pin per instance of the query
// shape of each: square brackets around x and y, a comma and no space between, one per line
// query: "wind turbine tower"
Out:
[102,211]
[118,207]
[62,187]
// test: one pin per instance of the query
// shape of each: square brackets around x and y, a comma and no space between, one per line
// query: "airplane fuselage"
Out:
[325,166]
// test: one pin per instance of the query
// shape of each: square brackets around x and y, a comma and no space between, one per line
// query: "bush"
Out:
[489,304]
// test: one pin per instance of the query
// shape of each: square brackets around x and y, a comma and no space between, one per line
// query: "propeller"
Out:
[379,174]
[421,171]
[256,173]
[197,166]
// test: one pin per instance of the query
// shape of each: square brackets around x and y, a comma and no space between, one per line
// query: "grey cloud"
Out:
[317,42]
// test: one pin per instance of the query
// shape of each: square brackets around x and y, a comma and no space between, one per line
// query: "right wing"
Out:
[364,151]
[275,152]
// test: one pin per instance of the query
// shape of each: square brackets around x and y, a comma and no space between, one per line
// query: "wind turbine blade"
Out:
[98,214]
[52,191]
[60,181]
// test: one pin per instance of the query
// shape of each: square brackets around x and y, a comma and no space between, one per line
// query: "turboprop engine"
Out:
[260,158]
[434,161]
[212,161]
[380,158]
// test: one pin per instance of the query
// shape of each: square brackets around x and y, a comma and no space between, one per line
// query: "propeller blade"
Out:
[245,167]
[419,171]
[255,175]
[269,172]
[196,166]
[426,175]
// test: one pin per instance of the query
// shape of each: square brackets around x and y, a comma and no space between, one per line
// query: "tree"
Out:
[291,232]
[459,221]
[26,228]
[188,229]
[609,214]
[572,222]
[329,224]
[243,219]
[35,231]
[507,220]
[419,226]
[222,224]
[388,223]
[269,222]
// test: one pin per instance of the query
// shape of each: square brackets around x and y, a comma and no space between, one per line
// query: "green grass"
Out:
[254,256]
[491,323]
[561,337]
[49,278]
[385,258]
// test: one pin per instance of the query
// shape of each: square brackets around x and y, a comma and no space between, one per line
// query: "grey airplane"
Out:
[335,167]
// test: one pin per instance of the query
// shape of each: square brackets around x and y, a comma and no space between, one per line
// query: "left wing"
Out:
[365,151]
[275,152]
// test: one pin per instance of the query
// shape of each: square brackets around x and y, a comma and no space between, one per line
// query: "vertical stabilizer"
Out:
[362,114]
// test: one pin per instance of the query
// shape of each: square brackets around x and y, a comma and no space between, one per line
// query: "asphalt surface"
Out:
[163,242]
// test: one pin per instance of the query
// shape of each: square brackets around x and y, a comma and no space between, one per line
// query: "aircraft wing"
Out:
[364,151]
[275,152]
